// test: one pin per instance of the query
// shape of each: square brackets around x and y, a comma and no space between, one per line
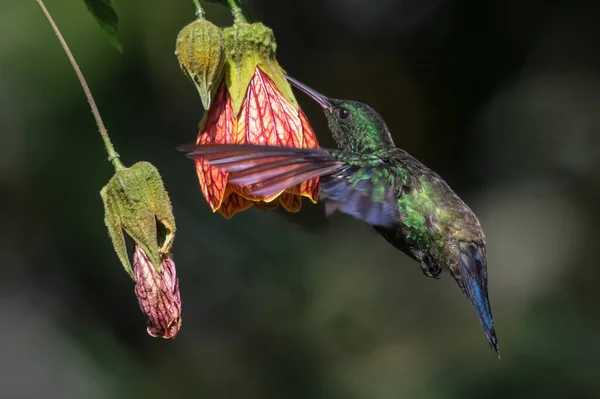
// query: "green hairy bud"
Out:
[200,50]
[137,204]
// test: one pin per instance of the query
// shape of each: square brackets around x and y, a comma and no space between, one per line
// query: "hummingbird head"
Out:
[469,269]
[355,126]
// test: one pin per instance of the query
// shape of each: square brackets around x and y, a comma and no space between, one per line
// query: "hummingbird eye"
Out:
[343,113]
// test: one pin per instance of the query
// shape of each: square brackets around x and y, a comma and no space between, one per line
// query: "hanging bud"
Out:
[200,49]
[137,204]
[135,201]
[158,294]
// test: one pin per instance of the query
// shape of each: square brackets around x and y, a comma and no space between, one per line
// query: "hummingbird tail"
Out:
[268,169]
[473,267]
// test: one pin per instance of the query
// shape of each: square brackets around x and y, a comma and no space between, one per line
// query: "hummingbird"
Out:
[371,179]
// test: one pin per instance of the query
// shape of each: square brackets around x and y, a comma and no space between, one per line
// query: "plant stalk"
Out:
[236,10]
[113,156]
[199,10]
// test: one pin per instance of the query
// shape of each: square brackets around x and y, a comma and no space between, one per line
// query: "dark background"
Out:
[500,97]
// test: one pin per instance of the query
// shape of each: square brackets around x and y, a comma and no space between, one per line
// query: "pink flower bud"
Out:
[158,294]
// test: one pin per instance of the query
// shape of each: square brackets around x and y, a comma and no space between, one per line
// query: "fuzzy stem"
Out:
[236,10]
[199,10]
[113,156]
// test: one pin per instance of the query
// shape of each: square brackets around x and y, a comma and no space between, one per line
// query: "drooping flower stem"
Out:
[236,10]
[113,156]
[199,10]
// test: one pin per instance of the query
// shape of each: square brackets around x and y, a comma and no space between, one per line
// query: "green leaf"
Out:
[106,16]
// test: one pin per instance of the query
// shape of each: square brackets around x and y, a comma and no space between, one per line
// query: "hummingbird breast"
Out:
[433,216]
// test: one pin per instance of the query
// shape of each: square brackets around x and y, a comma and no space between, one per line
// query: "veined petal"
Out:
[218,127]
[309,188]
[266,117]
[233,202]
[158,294]
[291,202]
[309,139]
[268,206]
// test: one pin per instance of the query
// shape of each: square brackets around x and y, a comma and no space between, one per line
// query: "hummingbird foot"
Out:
[430,268]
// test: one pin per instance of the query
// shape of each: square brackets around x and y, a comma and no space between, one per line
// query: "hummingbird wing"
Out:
[360,185]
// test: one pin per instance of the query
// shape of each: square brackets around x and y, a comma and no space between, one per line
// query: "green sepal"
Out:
[249,46]
[135,199]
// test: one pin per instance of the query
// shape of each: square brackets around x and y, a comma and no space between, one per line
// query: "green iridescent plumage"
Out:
[371,179]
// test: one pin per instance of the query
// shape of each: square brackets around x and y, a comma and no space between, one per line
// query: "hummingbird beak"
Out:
[323,101]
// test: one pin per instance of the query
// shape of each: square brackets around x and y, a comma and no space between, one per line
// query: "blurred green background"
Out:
[500,97]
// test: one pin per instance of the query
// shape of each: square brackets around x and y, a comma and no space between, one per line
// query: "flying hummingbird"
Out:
[368,177]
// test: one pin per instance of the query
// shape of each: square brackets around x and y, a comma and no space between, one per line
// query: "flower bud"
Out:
[136,202]
[158,294]
[200,49]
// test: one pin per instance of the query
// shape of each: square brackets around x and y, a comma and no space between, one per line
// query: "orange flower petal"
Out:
[267,206]
[291,202]
[233,203]
[266,117]
[217,127]
[309,139]
[212,183]
[309,188]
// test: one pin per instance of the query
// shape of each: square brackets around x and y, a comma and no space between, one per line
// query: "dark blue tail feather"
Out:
[474,283]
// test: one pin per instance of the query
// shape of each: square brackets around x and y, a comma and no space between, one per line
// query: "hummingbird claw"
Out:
[430,269]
